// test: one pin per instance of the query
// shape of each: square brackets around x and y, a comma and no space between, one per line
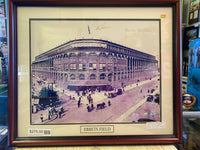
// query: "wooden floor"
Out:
[151,147]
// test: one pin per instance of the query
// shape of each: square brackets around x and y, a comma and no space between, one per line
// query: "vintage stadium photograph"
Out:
[95,71]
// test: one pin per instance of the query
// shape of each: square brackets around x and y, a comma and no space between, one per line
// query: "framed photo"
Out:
[83,73]
[2,8]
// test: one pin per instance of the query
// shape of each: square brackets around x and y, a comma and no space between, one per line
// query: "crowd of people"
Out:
[52,112]
[88,95]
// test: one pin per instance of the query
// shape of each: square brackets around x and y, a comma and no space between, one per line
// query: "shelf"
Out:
[195,114]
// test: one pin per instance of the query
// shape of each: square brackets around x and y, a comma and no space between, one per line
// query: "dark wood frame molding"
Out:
[92,140]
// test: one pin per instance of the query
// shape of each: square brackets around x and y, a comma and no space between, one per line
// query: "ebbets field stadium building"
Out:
[87,63]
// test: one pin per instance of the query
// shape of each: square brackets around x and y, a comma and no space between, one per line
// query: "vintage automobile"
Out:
[157,98]
[150,98]
[119,91]
[111,95]
[152,90]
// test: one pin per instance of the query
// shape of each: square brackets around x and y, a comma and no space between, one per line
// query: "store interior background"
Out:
[191,118]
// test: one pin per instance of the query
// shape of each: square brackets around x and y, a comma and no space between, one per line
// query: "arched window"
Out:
[92,77]
[65,76]
[66,59]
[82,57]
[93,57]
[114,76]
[72,55]
[92,54]
[102,54]
[61,76]
[81,77]
[110,77]
[110,57]
[115,67]
[102,57]
[72,77]
[81,54]
[58,76]
[118,75]
[102,76]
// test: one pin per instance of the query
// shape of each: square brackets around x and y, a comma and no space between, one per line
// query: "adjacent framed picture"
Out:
[85,73]
[2,8]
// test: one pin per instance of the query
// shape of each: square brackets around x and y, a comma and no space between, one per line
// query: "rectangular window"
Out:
[102,67]
[109,66]
[82,67]
[92,66]
[59,66]
[66,67]
[72,66]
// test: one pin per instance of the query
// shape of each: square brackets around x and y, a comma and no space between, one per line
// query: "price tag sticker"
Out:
[39,132]
[163,16]
[155,125]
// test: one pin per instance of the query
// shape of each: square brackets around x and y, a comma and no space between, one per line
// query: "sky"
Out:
[141,35]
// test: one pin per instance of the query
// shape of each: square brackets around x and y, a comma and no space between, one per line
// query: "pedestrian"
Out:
[91,100]
[53,110]
[78,93]
[60,113]
[88,108]
[62,109]
[109,104]
[41,117]
[92,106]
[49,113]
[79,102]
[80,98]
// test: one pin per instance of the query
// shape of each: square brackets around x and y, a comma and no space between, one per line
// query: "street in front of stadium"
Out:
[131,106]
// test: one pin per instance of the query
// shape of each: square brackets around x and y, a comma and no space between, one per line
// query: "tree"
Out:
[48,96]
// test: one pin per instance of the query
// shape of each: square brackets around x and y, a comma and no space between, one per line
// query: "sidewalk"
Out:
[127,113]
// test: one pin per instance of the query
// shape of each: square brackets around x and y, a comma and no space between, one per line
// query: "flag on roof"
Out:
[88,29]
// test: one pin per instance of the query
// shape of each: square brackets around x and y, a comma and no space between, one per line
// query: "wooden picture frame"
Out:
[101,71]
